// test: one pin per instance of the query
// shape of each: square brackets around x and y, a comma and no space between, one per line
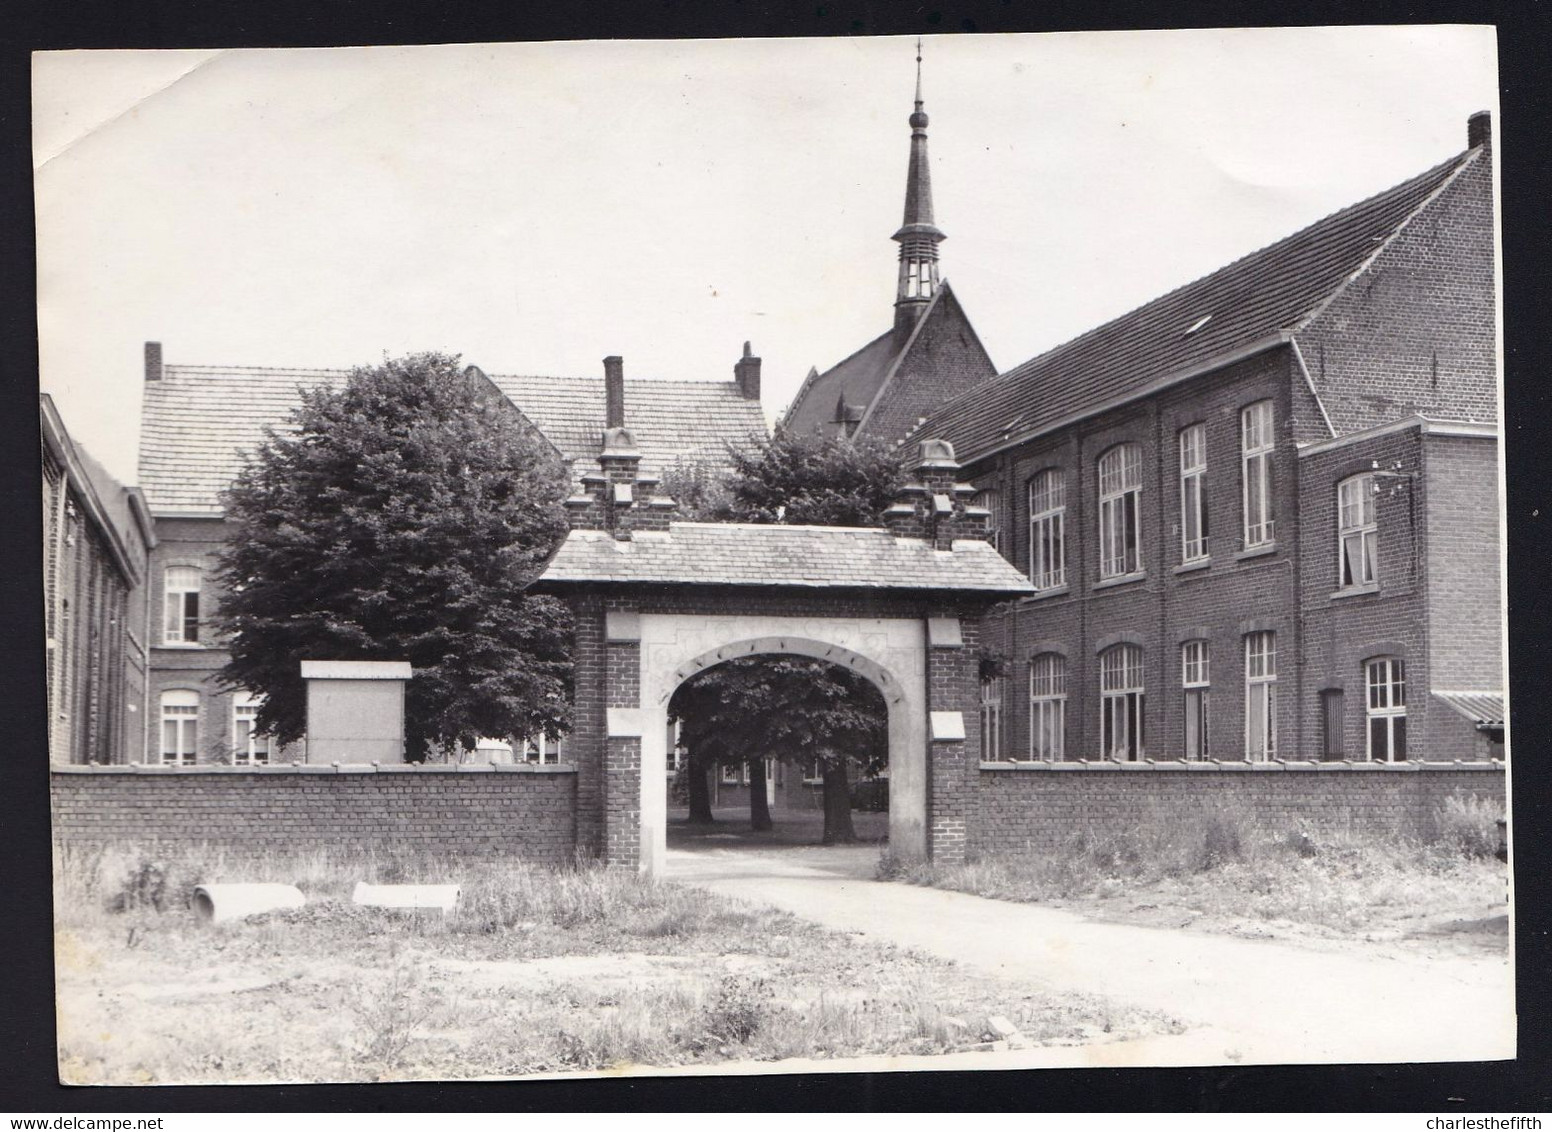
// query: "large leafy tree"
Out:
[401,519]
[826,481]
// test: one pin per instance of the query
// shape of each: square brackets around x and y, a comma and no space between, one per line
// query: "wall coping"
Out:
[1210,767]
[157,771]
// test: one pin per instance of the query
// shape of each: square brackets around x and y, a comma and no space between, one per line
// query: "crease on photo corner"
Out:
[141,102]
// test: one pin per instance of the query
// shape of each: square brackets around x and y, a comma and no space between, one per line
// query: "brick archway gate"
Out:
[655,601]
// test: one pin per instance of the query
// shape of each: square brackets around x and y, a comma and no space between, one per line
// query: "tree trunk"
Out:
[837,804]
[700,794]
[759,805]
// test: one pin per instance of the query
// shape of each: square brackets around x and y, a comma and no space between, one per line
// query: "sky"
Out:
[535,207]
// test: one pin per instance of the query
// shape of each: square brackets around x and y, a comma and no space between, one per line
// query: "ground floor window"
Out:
[541,750]
[1194,680]
[248,748]
[732,774]
[1121,703]
[180,727]
[991,718]
[1260,696]
[1386,679]
[1047,707]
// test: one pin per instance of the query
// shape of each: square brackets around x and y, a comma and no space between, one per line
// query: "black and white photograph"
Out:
[775,556]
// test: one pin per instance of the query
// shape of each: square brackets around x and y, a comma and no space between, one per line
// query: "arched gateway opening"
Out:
[656,601]
[889,652]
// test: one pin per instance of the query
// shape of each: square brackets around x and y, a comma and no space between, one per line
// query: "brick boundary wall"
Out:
[523,812]
[1043,805]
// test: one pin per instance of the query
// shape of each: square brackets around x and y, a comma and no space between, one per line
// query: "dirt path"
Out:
[1256,1001]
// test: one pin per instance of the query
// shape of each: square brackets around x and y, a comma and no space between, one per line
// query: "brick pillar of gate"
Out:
[622,751]
[953,706]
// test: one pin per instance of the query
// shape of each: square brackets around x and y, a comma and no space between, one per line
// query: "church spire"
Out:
[918,235]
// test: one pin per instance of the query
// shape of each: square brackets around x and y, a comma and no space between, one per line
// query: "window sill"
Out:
[1054,591]
[1256,551]
[180,645]
[1119,580]
[1192,566]
[1356,591]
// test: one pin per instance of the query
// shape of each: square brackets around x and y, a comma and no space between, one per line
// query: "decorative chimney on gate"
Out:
[617,497]
[918,235]
[935,506]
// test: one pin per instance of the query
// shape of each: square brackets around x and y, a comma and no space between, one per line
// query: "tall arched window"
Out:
[1195,682]
[1048,707]
[248,748]
[1260,696]
[1047,529]
[180,605]
[1193,496]
[1357,533]
[1386,680]
[1120,486]
[1121,702]
[180,727]
[991,718]
[1257,440]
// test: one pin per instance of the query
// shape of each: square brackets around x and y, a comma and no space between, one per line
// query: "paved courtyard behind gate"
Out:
[1251,1001]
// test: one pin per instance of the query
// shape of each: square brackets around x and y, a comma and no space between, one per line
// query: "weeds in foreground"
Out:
[1218,861]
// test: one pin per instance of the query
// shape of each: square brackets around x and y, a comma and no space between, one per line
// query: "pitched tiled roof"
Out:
[1268,293]
[1485,709]
[198,420]
[669,420]
[857,378]
[747,554]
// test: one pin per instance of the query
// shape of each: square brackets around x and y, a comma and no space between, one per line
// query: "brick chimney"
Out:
[934,505]
[1479,129]
[614,391]
[153,361]
[746,371]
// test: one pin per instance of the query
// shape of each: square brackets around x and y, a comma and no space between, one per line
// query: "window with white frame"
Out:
[1121,702]
[1120,486]
[987,500]
[180,727]
[1047,529]
[248,747]
[732,774]
[1195,682]
[1047,707]
[1193,497]
[1260,696]
[180,604]
[541,750]
[991,718]
[678,753]
[1256,443]
[1356,532]
[1386,679]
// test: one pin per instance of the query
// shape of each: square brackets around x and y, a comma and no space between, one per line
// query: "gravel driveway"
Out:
[1255,1001]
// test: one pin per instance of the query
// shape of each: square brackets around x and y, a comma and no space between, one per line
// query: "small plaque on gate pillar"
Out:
[626,723]
[622,625]
[947,726]
[943,633]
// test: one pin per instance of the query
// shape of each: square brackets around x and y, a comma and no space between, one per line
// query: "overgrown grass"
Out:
[537,970]
[1214,861]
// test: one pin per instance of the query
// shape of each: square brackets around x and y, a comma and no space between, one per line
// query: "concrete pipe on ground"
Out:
[218,902]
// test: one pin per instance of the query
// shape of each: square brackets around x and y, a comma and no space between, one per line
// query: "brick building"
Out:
[96,538]
[197,421]
[929,355]
[1261,513]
